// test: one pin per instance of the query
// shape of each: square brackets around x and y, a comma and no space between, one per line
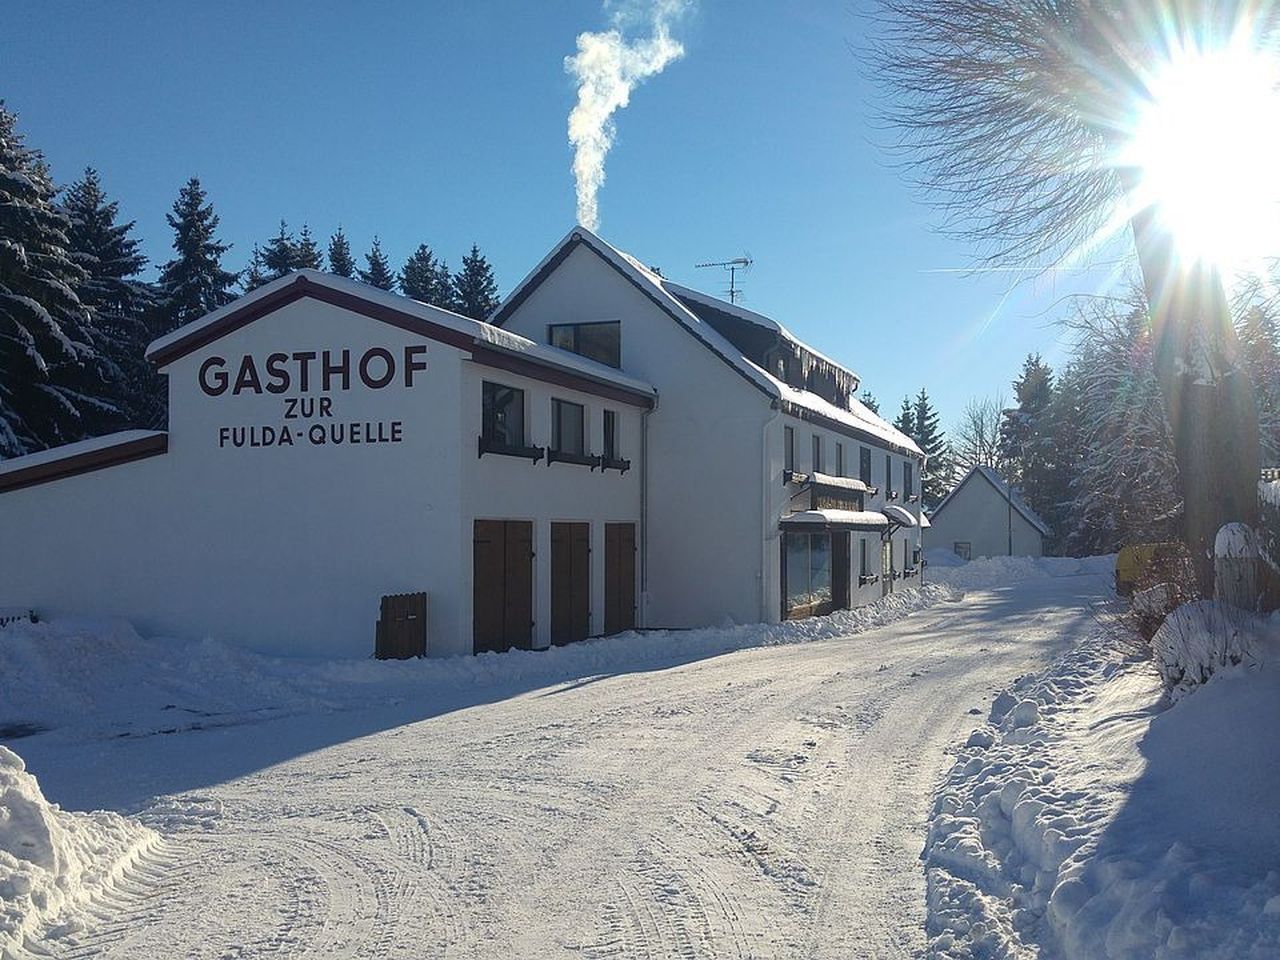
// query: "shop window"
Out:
[503,415]
[568,422]
[596,341]
[864,465]
[807,574]
[788,449]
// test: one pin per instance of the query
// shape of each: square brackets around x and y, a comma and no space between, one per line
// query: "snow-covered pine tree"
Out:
[378,273]
[340,260]
[427,279]
[868,400]
[306,253]
[55,384]
[193,283]
[1257,311]
[906,421]
[929,437]
[1026,439]
[474,286]
[122,304]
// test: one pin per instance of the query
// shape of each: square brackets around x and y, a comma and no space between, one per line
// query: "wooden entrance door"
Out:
[619,577]
[502,585]
[570,582]
[840,569]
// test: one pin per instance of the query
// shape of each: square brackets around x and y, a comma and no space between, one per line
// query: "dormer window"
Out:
[601,342]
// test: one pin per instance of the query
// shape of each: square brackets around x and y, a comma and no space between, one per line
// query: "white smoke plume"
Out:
[608,67]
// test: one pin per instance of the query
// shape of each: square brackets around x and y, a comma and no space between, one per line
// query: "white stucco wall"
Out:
[285,548]
[705,530]
[506,488]
[977,513]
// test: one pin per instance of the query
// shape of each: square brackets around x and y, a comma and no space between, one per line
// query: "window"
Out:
[596,341]
[502,415]
[839,459]
[863,569]
[864,465]
[963,549]
[788,448]
[907,478]
[610,451]
[807,574]
[888,477]
[817,454]
[567,427]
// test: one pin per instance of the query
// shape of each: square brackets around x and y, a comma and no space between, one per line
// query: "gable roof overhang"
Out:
[1002,490]
[488,347]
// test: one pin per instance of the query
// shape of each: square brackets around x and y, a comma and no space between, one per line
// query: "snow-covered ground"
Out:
[748,791]
[1093,818]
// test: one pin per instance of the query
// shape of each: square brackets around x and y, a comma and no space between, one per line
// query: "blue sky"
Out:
[444,123]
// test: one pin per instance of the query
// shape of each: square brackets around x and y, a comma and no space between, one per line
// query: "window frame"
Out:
[864,465]
[815,454]
[556,453]
[488,441]
[576,329]
[789,449]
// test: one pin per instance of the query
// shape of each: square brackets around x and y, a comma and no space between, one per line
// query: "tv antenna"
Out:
[742,263]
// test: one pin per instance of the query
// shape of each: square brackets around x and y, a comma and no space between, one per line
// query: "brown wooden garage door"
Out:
[619,577]
[502,585]
[570,582]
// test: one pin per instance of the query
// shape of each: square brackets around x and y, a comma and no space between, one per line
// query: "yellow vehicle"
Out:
[1146,564]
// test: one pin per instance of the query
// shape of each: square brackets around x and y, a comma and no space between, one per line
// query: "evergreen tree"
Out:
[306,254]
[868,400]
[378,273]
[427,279]
[123,304]
[54,382]
[906,422]
[280,254]
[1026,440]
[929,437]
[340,259]
[1259,331]
[474,286]
[193,283]
[255,274]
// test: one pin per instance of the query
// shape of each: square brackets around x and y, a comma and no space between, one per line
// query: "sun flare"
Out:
[1206,146]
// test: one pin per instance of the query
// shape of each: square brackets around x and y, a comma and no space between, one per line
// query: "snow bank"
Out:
[52,861]
[1196,640]
[1084,820]
[993,572]
[64,672]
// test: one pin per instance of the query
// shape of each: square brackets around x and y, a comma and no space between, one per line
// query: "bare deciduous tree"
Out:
[1013,115]
[976,438]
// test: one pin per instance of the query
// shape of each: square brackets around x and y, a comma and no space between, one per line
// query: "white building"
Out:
[613,450]
[983,517]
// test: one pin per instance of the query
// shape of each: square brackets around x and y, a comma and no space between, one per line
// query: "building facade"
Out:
[983,517]
[611,451]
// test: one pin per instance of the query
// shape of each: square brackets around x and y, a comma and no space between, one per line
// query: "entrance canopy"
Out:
[836,520]
[899,515]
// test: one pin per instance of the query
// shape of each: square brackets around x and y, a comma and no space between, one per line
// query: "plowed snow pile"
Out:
[51,861]
[1090,819]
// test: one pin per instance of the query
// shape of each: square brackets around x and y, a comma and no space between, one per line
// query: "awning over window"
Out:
[837,520]
[838,483]
[899,515]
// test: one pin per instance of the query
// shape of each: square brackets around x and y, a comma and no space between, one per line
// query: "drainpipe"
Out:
[644,513]
[766,513]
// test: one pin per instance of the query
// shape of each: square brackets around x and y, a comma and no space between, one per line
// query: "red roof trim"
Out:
[87,462]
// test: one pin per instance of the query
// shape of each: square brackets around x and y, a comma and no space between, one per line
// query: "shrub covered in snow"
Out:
[52,861]
[1198,639]
[991,573]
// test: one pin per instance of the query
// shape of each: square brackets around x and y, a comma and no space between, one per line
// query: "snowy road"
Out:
[764,803]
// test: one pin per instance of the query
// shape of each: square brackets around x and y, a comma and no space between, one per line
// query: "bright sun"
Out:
[1207,146]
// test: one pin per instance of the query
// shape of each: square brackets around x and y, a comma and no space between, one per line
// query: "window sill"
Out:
[506,450]
[607,463]
[581,459]
[913,499]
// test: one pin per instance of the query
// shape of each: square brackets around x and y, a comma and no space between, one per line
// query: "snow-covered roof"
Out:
[857,518]
[1003,490]
[844,483]
[899,515]
[77,449]
[664,293]
[314,282]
